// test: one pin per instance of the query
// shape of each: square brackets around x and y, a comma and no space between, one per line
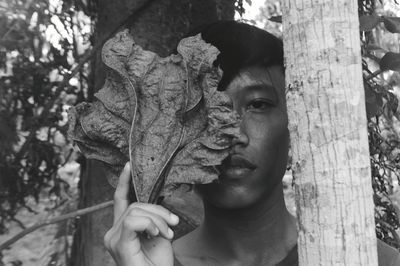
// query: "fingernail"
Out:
[126,167]
[174,218]
[170,233]
[156,232]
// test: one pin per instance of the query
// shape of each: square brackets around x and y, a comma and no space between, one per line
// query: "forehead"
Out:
[266,78]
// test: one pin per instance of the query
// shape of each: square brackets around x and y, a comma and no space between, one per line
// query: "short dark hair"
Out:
[240,45]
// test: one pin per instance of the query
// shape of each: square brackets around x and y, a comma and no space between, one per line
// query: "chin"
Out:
[228,197]
[235,194]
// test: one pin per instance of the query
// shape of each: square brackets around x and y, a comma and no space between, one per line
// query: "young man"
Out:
[246,221]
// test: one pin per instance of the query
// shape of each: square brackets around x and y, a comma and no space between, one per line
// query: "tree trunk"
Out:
[158,26]
[328,125]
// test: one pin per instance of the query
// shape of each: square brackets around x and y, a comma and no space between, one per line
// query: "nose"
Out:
[241,139]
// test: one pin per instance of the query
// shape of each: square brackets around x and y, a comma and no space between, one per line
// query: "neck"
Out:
[265,230]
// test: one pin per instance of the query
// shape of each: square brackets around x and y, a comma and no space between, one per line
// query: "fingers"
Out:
[138,218]
[170,218]
[121,201]
[167,215]
[124,240]
[131,227]
[161,216]
[156,224]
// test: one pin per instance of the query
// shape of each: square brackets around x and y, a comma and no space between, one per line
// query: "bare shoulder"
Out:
[387,255]
[181,245]
[189,251]
[184,249]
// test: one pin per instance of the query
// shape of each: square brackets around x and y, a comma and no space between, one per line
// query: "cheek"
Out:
[267,133]
[269,144]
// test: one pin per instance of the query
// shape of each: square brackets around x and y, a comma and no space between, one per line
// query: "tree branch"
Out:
[58,219]
[373,75]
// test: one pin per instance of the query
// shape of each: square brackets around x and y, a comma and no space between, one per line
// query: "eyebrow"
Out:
[263,87]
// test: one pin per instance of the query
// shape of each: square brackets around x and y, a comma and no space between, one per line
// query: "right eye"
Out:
[259,105]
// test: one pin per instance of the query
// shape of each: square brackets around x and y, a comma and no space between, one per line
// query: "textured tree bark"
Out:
[328,125]
[158,27]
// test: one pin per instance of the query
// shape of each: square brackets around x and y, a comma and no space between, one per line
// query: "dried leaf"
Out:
[116,98]
[165,114]
[92,148]
[196,162]
[157,131]
[116,52]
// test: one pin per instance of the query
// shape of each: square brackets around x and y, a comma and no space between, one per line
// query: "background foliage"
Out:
[40,43]
[382,111]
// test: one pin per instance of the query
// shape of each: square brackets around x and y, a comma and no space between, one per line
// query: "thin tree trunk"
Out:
[329,133]
[157,27]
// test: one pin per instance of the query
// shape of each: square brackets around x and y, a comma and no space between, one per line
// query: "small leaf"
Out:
[392,102]
[277,19]
[374,47]
[373,101]
[392,24]
[368,22]
[390,61]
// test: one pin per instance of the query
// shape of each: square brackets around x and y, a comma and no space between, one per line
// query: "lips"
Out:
[236,161]
[236,166]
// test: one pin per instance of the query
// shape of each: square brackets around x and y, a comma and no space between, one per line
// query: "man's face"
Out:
[258,157]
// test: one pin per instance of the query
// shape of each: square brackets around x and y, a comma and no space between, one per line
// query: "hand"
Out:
[140,235]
